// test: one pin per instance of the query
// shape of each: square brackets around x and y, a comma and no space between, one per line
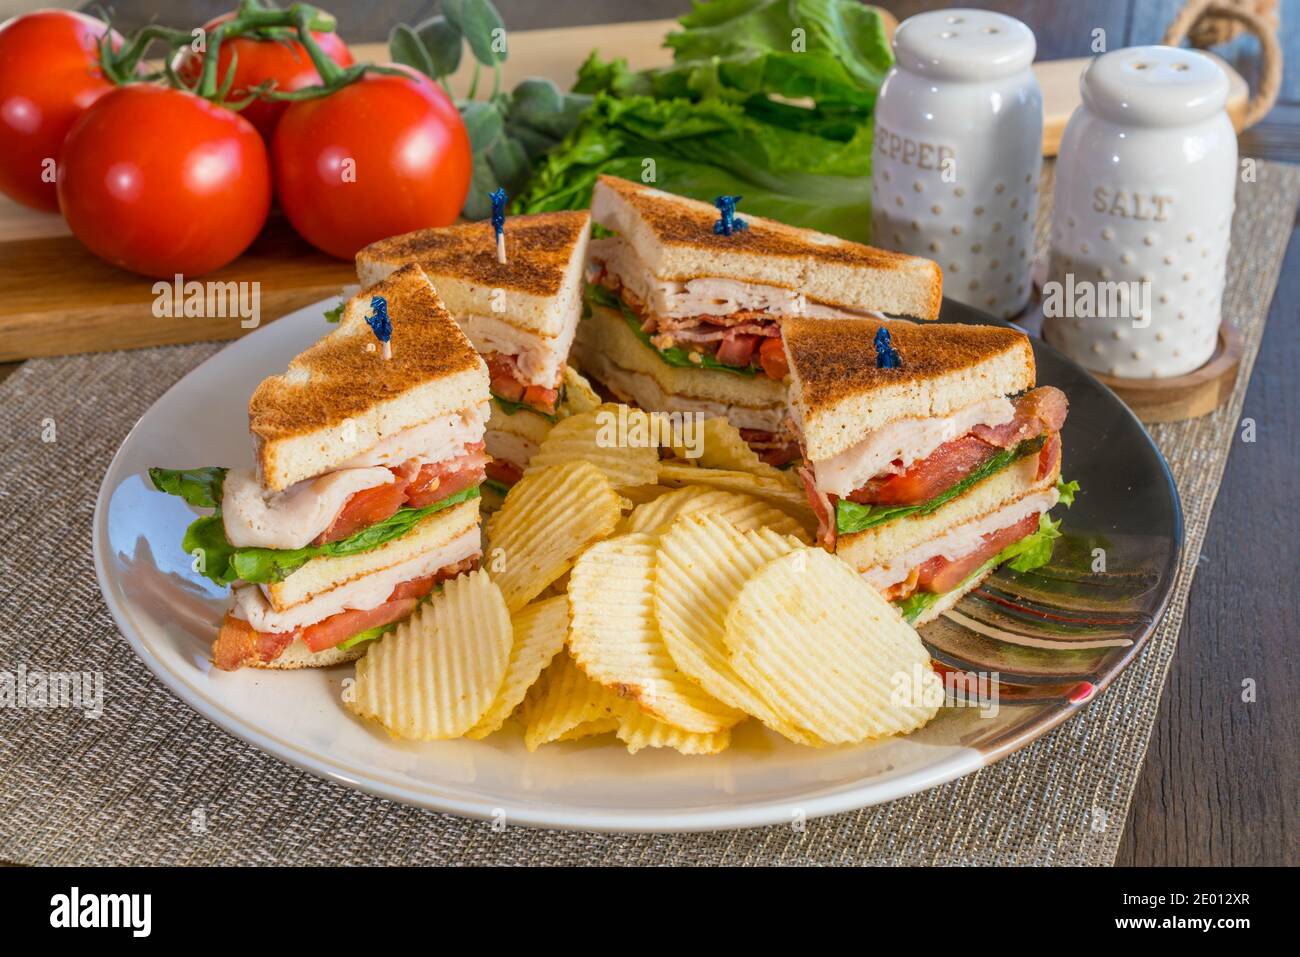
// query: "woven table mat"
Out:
[122,788]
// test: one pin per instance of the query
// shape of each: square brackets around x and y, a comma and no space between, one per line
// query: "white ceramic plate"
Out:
[170,614]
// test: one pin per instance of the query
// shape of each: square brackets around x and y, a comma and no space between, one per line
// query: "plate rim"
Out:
[848,797]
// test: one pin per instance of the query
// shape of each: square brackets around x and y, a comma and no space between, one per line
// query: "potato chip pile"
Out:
[663,600]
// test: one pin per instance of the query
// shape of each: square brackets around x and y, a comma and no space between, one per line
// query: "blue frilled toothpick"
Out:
[886,355]
[499,197]
[728,224]
[380,324]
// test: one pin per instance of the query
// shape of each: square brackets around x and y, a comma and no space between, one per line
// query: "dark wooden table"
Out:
[1222,776]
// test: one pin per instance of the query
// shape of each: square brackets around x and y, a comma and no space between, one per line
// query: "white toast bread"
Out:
[340,398]
[838,395]
[298,655]
[319,575]
[541,280]
[673,236]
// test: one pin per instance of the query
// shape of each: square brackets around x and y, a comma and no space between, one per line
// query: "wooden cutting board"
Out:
[56,298]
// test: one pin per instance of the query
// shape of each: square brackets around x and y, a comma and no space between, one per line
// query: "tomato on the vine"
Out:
[49,76]
[160,181]
[383,155]
[274,56]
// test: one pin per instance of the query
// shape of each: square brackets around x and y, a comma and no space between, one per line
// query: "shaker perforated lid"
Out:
[962,44]
[1154,86]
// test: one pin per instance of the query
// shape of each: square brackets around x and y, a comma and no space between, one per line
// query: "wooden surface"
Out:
[1220,782]
[1186,396]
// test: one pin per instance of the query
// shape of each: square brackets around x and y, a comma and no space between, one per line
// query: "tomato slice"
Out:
[363,509]
[941,574]
[923,480]
[541,399]
[340,627]
[738,350]
[429,487]
[771,354]
[507,473]
[1049,456]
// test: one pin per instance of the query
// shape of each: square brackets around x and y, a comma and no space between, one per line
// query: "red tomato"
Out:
[737,350]
[347,624]
[771,354]
[941,575]
[279,58]
[941,469]
[541,398]
[49,75]
[363,509]
[161,182]
[381,156]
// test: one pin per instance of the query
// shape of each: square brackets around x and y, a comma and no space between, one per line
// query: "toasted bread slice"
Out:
[838,395]
[298,655]
[880,545]
[674,237]
[541,279]
[320,575]
[340,397]
[950,599]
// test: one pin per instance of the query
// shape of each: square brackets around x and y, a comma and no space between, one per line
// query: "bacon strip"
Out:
[1036,412]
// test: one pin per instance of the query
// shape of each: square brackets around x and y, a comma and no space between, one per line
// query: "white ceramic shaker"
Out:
[958,152]
[1145,187]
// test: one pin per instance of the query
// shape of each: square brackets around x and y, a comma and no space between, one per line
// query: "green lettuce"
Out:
[1032,551]
[511,407]
[672,355]
[767,99]
[199,487]
[852,517]
[336,314]
[225,564]
[501,488]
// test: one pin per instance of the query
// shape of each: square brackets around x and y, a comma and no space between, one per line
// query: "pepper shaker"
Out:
[1145,187]
[958,153]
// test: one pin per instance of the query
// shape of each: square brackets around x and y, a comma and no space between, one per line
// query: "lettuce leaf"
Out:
[224,564]
[1032,551]
[852,517]
[336,314]
[673,355]
[1067,492]
[199,487]
[501,488]
[511,407]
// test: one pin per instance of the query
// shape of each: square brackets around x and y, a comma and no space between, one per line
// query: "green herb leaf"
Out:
[336,314]
[443,42]
[852,517]
[199,487]
[479,21]
[1032,551]
[263,565]
[483,123]
[406,47]
[1067,491]
[511,407]
[510,164]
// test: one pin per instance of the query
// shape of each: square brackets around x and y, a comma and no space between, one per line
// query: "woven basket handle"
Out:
[1270,83]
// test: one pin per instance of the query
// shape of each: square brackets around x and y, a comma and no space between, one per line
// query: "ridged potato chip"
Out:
[540,630]
[437,673]
[616,439]
[638,730]
[781,491]
[589,729]
[551,516]
[579,396]
[725,448]
[742,511]
[562,701]
[827,652]
[614,639]
[701,565]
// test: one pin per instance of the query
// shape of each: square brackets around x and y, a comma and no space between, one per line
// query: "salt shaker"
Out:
[1145,189]
[958,152]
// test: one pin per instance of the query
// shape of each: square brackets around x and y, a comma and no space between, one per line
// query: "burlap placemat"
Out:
[124,788]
